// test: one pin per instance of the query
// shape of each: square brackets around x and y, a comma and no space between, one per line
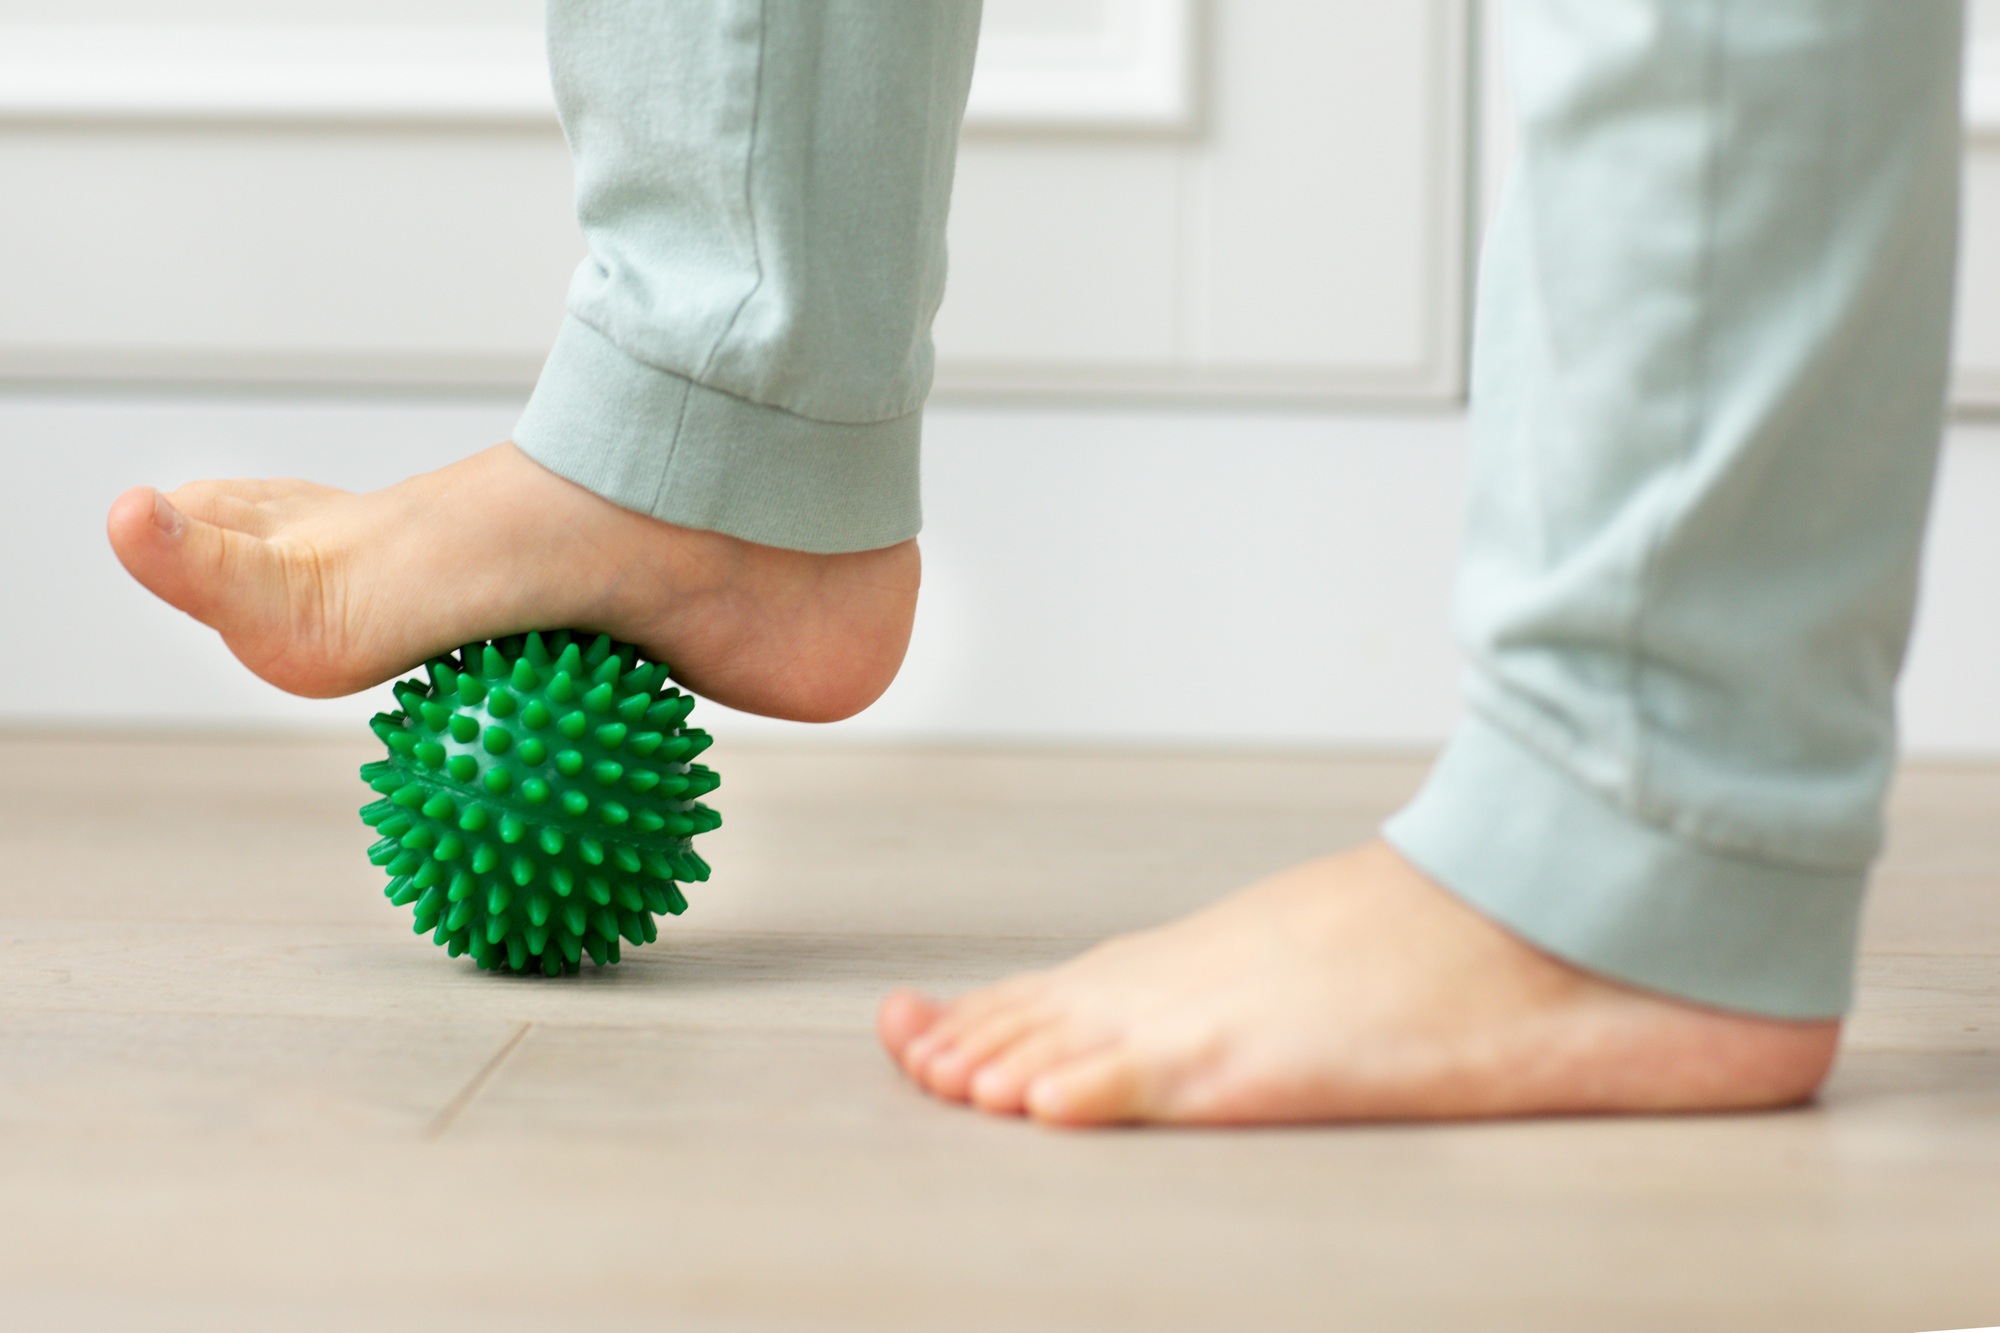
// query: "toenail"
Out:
[167,518]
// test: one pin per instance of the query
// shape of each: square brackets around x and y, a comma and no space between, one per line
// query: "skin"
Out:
[1347,988]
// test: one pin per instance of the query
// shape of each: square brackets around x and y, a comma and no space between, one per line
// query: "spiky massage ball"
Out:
[538,801]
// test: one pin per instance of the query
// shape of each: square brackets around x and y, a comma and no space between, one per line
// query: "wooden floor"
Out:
[236,1092]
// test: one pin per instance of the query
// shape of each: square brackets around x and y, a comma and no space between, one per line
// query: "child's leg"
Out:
[1707,399]
[724,441]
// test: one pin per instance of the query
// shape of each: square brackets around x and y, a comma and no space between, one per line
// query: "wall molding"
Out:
[275,74]
[1132,69]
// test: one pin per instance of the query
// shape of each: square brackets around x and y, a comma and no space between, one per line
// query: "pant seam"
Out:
[756,254]
[1699,413]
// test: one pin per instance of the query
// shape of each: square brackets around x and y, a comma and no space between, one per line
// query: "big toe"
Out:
[223,578]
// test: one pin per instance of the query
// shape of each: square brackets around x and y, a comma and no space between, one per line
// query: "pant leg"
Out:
[1708,381]
[762,187]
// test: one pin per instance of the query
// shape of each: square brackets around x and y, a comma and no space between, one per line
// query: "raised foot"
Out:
[1349,988]
[323,592]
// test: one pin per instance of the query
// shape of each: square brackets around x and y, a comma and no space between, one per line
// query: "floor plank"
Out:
[235,1092]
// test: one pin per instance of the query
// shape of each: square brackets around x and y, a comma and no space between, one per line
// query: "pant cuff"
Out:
[1523,843]
[664,445]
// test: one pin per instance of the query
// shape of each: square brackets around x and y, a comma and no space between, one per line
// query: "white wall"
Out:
[1190,560]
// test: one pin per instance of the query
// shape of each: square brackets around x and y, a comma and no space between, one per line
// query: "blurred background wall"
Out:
[1193,467]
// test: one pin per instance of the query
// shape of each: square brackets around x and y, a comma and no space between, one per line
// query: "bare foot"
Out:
[1349,988]
[324,592]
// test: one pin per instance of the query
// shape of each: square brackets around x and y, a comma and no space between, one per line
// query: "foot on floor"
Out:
[323,592]
[1349,988]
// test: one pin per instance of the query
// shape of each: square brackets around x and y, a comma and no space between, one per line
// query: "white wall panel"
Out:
[1978,335]
[381,256]
[1064,256]
[1329,192]
[1318,220]
[1293,230]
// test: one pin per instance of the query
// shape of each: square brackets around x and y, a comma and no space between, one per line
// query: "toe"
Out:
[221,577]
[904,1016]
[1001,1084]
[1105,1087]
[949,1070]
[957,1017]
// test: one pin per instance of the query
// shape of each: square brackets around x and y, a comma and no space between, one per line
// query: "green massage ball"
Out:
[537,802]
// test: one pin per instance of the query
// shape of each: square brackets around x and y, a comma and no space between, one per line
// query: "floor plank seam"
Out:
[454,1108]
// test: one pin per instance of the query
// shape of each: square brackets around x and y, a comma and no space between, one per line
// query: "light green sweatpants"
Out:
[1708,381]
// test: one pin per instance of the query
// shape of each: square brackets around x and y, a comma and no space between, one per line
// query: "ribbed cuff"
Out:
[1523,843]
[656,442]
